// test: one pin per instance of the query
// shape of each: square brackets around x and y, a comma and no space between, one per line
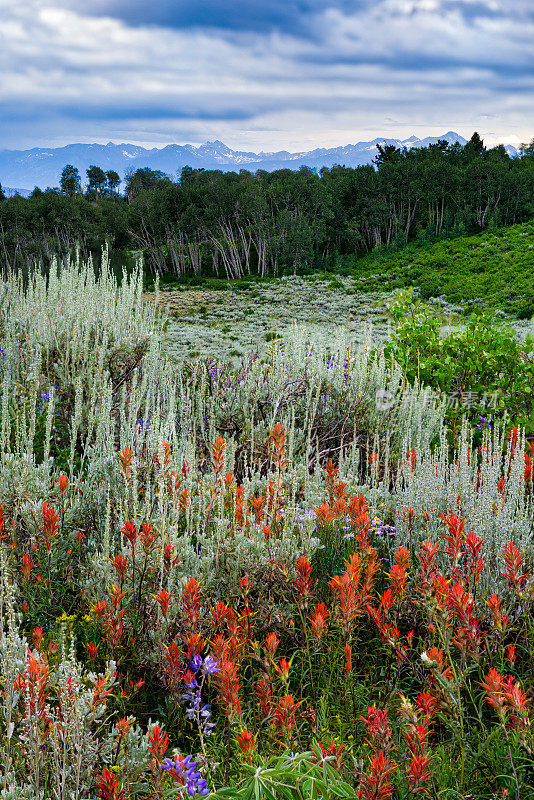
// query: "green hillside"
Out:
[490,270]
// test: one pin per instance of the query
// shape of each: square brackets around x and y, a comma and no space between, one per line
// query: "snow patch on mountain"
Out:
[42,166]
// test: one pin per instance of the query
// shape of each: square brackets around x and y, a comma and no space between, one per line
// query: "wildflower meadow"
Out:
[253,578]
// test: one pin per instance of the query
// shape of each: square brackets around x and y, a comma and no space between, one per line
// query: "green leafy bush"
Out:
[481,367]
[494,269]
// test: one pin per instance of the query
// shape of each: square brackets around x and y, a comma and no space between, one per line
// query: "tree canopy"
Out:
[229,223]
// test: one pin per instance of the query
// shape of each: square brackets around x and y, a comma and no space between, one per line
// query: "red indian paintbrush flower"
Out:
[158,744]
[427,566]
[359,519]
[195,645]
[170,557]
[334,754]
[38,636]
[50,524]
[264,692]
[278,441]
[454,537]
[92,650]
[325,515]
[285,710]
[123,726]
[218,449]
[130,531]
[378,729]
[419,772]
[108,785]
[528,468]
[120,562]
[376,785]
[26,565]
[219,613]
[257,505]
[125,457]
[398,579]
[184,500]
[303,580]
[164,600]
[100,693]
[99,608]
[330,478]
[500,619]
[354,587]
[347,652]
[246,742]
[162,458]
[513,561]
[283,669]
[174,666]
[174,483]
[191,601]
[319,621]
[227,683]
[507,699]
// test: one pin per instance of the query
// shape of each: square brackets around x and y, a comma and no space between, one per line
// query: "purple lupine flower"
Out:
[196,662]
[186,771]
[192,683]
[45,397]
[142,426]
[210,666]
[196,711]
[194,705]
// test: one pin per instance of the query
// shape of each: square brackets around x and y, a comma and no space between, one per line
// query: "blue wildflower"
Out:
[192,683]
[196,662]
[210,666]
[45,397]
[196,710]
[185,770]
[142,425]
[380,529]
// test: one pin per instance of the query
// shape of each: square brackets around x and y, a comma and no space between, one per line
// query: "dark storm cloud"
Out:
[259,16]
[416,62]
[275,74]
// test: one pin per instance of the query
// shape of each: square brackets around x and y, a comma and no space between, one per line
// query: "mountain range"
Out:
[42,166]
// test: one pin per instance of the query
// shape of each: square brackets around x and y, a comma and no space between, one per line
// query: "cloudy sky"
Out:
[264,74]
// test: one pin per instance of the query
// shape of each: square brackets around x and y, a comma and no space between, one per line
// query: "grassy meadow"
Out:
[227,321]
[252,548]
[492,271]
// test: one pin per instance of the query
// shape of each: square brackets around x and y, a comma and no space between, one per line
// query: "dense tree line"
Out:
[232,224]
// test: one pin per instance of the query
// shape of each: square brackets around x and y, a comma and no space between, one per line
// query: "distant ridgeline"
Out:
[232,224]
